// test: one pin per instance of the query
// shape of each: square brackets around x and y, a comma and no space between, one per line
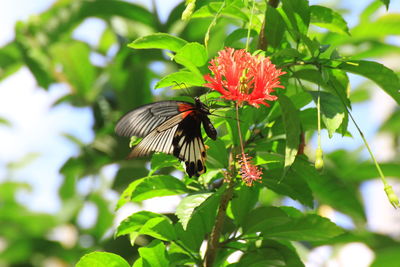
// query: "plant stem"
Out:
[196,259]
[213,241]
[249,29]
[212,24]
[239,129]
[388,189]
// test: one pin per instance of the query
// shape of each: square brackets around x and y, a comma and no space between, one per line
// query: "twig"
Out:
[213,241]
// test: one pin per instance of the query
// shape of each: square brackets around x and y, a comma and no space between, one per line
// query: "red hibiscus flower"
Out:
[241,77]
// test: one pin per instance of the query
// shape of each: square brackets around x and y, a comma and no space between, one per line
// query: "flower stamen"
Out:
[249,172]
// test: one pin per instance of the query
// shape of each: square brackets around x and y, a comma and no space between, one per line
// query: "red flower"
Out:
[241,77]
[249,172]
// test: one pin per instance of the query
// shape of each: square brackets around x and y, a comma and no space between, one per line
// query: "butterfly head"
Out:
[201,106]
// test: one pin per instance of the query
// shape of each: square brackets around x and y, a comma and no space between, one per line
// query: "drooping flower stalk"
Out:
[248,171]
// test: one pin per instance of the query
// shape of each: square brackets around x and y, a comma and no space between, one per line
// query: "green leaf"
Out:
[274,27]
[187,206]
[10,59]
[195,53]
[180,80]
[162,160]
[217,154]
[367,170]
[386,2]
[234,39]
[332,110]
[154,255]
[388,257]
[244,199]
[329,190]
[201,222]
[77,68]
[290,224]
[381,75]
[104,215]
[108,38]
[109,9]
[33,54]
[271,253]
[327,18]
[192,55]
[102,259]
[211,10]
[385,25]
[298,16]
[261,217]
[291,121]
[392,124]
[310,227]
[158,41]
[339,84]
[292,186]
[152,186]
[147,223]
[179,256]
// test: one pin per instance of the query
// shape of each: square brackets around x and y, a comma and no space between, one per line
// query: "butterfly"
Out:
[171,127]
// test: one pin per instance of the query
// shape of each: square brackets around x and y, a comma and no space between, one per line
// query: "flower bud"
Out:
[394,200]
[187,13]
[319,161]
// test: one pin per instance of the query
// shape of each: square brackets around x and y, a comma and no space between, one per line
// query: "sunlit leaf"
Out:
[274,27]
[329,190]
[291,121]
[158,41]
[187,206]
[180,80]
[292,186]
[194,53]
[162,160]
[236,39]
[332,110]
[285,224]
[201,221]
[327,18]
[298,15]
[388,257]
[380,74]
[154,255]
[102,259]
[383,26]
[10,59]
[147,223]
[271,253]
[152,186]
[211,10]
[243,201]
[77,68]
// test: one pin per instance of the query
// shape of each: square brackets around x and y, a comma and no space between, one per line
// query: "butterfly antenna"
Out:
[225,117]
[183,86]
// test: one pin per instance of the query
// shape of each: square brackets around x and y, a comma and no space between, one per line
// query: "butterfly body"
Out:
[172,127]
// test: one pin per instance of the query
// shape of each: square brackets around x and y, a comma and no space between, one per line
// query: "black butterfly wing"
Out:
[158,140]
[143,120]
[188,145]
[171,127]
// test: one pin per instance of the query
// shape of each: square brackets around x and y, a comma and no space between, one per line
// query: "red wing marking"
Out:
[185,109]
